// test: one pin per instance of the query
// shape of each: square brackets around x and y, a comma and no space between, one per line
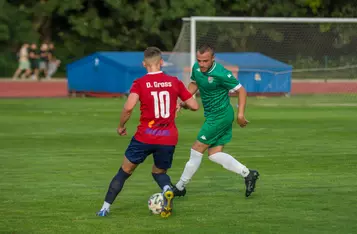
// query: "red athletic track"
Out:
[58,88]
[321,87]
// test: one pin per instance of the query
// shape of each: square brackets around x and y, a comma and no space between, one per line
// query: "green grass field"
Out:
[57,157]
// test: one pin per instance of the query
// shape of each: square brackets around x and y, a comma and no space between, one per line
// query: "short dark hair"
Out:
[152,52]
[205,48]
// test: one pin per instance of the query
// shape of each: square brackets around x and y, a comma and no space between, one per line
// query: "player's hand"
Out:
[121,131]
[178,109]
[242,121]
[180,106]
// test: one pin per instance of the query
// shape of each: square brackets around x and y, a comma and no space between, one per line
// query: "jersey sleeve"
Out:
[184,94]
[229,81]
[135,87]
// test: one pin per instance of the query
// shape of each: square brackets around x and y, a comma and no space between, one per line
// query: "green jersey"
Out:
[214,87]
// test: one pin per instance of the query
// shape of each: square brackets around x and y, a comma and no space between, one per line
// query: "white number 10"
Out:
[161,104]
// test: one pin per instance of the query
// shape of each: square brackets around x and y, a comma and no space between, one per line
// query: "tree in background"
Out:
[81,27]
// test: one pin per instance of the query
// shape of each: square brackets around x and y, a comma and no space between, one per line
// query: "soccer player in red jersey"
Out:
[156,134]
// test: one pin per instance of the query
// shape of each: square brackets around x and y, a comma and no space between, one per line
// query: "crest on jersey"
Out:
[210,79]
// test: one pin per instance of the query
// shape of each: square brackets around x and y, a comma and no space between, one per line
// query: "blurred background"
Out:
[78,28]
[57,155]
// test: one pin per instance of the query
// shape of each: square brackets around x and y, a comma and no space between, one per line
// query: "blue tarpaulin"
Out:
[260,73]
[114,72]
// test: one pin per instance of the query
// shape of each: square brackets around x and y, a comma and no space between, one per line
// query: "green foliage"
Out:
[80,27]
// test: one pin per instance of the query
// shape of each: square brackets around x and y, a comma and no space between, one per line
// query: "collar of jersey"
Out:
[212,68]
[153,73]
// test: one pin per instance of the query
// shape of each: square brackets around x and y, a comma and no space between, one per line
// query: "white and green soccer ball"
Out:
[155,203]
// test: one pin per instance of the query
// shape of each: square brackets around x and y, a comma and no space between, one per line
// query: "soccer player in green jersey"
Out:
[214,83]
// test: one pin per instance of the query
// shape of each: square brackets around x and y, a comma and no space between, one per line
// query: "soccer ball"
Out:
[155,203]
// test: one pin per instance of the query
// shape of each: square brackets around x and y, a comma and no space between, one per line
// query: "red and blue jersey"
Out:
[158,95]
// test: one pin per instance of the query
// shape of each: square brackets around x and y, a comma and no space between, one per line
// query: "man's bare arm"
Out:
[128,108]
[192,87]
[242,100]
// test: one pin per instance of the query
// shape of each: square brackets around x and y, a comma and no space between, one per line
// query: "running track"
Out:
[58,88]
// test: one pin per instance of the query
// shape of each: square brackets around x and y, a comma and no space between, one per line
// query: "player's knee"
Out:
[128,169]
[156,170]
[128,166]
[214,150]
[199,147]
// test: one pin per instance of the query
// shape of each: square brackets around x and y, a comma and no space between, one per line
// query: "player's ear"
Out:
[161,62]
[144,64]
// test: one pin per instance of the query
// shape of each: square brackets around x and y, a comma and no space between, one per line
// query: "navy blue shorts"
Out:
[137,152]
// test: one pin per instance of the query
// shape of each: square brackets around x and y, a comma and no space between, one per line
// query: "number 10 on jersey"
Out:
[161,104]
